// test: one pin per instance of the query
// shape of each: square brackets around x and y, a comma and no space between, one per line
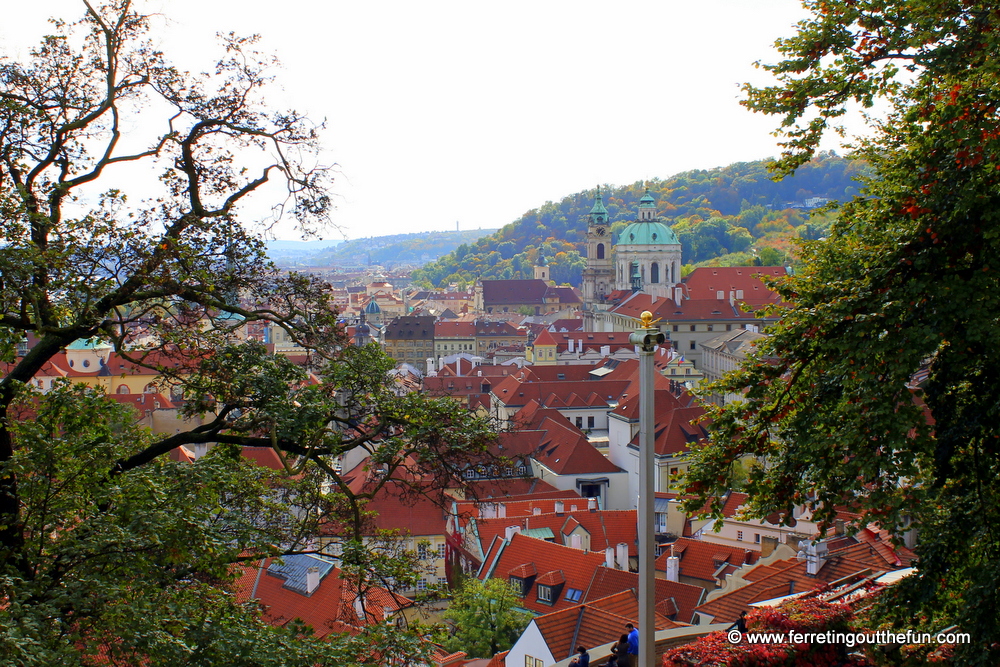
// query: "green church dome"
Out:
[647,233]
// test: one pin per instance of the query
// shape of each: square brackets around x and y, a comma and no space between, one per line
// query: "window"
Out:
[86,363]
[579,422]
[739,535]
[711,327]
[590,422]
[676,328]
[600,251]
[421,584]
[756,538]
[654,273]
[693,346]
[422,550]
[544,593]
[729,327]
[518,584]
[573,594]
[692,327]
[442,581]
[440,551]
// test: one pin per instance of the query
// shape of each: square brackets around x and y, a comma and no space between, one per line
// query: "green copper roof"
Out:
[372,307]
[647,200]
[539,533]
[598,203]
[541,260]
[647,233]
[88,344]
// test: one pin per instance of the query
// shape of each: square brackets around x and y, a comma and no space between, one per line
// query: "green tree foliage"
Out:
[103,541]
[740,195]
[486,617]
[906,280]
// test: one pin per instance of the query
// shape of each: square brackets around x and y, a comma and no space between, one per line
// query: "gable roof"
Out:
[577,568]
[592,623]
[703,560]
[673,599]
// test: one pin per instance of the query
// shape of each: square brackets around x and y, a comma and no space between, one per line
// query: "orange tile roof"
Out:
[607,528]
[577,568]
[592,623]
[702,560]
[684,598]
[780,578]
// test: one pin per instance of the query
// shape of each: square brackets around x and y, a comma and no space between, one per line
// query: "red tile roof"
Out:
[778,579]
[593,623]
[701,560]
[577,568]
[673,598]
[706,282]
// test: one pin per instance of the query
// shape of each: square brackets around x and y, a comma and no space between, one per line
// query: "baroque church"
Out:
[647,258]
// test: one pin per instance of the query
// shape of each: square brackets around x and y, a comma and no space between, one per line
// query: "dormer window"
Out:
[544,593]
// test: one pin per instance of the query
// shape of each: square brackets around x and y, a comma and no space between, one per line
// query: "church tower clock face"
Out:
[601,231]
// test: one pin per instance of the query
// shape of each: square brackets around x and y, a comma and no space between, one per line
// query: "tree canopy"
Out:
[727,211]
[486,617]
[106,546]
[877,390]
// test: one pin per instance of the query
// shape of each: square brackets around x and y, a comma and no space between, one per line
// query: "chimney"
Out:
[359,608]
[573,508]
[458,366]
[579,345]
[605,350]
[430,367]
[732,298]
[536,510]
[622,556]
[678,295]
[570,348]
[488,511]
[838,527]
[501,510]
[576,541]
[591,504]
[609,557]
[560,506]
[510,531]
[814,554]
[673,568]
[312,580]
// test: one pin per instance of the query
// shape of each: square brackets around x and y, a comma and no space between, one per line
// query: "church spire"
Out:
[598,214]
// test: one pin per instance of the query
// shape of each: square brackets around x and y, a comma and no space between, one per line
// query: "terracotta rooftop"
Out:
[675,600]
[701,560]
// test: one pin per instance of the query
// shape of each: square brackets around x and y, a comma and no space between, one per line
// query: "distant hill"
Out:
[415,249]
[728,215]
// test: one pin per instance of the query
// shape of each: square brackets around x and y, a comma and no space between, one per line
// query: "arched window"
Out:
[654,273]
[149,389]
[600,251]
[123,389]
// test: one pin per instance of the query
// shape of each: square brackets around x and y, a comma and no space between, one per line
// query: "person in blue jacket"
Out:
[633,645]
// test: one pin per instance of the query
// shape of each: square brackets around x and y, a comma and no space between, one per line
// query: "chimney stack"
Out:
[312,580]
[623,556]
[501,509]
[510,531]
[560,506]
[609,557]
[591,504]
[673,568]
[536,511]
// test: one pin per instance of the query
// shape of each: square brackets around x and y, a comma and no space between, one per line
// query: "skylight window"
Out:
[573,594]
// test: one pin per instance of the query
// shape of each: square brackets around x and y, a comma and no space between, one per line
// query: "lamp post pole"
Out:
[647,338]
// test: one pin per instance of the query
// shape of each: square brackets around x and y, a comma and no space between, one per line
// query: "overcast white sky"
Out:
[472,112]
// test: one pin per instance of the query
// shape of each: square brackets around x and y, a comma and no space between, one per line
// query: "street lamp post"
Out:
[647,338]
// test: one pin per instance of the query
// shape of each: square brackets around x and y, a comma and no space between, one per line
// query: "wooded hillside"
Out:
[730,215]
